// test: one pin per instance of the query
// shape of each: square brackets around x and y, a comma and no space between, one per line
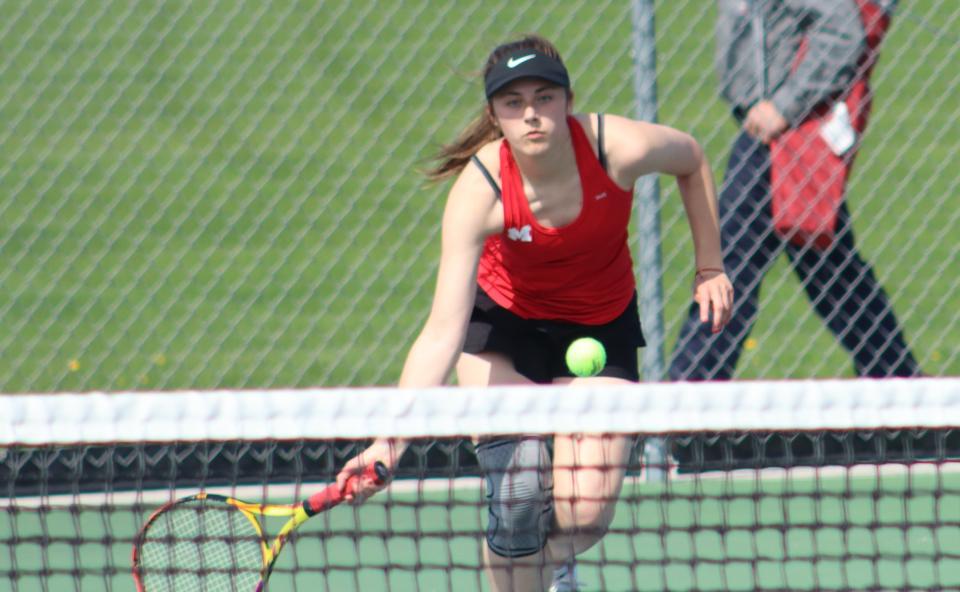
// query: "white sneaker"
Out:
[565,578]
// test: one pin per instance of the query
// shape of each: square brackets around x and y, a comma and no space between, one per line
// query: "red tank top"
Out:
[581,272]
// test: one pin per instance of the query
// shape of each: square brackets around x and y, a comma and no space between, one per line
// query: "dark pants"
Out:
[839,283]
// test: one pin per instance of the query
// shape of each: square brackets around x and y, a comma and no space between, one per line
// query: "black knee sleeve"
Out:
[519,490]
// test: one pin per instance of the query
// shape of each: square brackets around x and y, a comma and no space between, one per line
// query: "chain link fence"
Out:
[227,193]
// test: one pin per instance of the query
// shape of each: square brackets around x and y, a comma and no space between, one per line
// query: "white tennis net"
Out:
[799,485]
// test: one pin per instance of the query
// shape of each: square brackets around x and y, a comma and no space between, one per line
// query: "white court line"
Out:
[287,493]
[270,493]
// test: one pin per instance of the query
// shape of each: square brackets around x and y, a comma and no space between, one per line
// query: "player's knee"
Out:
[582,524]
[588,521]
[519,491]
[595,521]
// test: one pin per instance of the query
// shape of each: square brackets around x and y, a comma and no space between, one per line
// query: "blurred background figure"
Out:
[796,76]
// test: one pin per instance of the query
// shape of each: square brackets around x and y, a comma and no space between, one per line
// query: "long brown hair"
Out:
[483,129]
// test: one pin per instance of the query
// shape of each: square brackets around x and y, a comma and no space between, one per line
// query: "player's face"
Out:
[532,114]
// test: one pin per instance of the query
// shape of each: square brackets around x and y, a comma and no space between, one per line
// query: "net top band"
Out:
[654,408]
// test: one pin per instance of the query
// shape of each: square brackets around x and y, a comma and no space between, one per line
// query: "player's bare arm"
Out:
[472,213]
[637,148]
[470,216]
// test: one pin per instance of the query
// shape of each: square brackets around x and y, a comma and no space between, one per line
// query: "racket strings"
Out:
[201,546]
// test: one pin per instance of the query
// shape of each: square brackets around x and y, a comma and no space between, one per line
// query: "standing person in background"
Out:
[796,73]
[534,254]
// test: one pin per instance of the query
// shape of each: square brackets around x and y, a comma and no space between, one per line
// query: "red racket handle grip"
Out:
[333,495]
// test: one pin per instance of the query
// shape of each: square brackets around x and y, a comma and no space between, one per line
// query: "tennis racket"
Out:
[212,543]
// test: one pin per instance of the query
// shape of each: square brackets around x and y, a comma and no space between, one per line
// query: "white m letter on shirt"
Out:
[521,234]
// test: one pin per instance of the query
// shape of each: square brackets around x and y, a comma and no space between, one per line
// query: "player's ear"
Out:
[493,118]
[569,101]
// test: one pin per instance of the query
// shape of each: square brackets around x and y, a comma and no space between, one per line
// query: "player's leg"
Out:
[749,246]
[517,486]
[846,294]
[588,472]
[501,348]
[549,517]
[588,469]
[486,369]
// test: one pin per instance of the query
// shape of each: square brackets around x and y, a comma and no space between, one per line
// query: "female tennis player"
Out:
[534,255]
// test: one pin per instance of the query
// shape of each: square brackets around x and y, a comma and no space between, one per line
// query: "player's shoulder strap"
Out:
[486,173]
[601,153]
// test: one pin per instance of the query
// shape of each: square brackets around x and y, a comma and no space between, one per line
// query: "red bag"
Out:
[808,180]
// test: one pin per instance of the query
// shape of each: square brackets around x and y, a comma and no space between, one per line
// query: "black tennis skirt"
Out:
[538,347]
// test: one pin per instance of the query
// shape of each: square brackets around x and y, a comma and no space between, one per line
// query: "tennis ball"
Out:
[586,357]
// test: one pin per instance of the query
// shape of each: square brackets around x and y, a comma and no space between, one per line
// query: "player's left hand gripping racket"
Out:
[207,542]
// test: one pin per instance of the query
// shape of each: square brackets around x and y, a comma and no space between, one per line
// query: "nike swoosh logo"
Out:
[514,62]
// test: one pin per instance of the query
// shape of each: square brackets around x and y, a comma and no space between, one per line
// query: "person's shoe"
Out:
[565,578]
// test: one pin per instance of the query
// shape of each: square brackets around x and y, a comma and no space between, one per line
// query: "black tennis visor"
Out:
[525,64]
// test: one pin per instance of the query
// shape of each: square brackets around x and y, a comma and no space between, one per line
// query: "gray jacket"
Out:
[757,43]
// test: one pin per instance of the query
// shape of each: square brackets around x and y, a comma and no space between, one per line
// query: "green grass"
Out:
[879,531]
[201,195]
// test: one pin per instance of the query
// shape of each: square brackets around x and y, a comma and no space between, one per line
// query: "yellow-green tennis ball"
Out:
[586,357]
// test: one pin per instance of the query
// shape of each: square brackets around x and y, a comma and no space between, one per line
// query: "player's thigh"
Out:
[589,468]
[487,368]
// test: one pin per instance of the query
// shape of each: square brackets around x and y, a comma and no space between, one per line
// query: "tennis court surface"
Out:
[805,485]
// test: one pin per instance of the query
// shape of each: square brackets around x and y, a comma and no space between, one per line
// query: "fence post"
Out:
[647,193]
